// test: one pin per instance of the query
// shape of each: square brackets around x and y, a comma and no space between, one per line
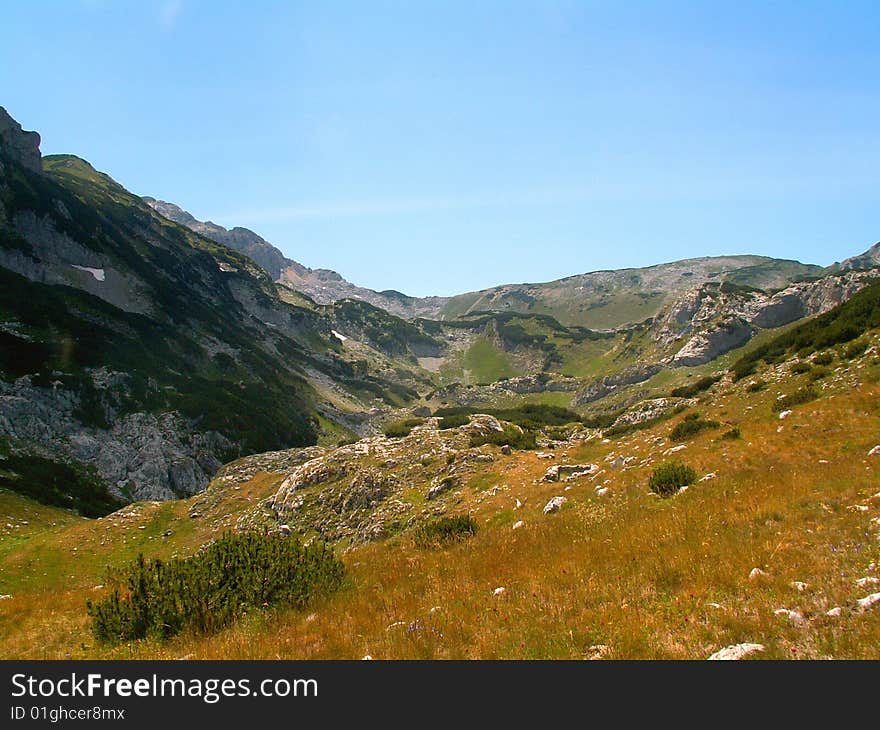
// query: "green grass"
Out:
[487,363]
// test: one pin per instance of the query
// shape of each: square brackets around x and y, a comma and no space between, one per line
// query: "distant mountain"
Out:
[321,285]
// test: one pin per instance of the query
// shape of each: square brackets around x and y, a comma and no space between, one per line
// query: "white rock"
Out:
[874,451]
[707,477]
[338,336]
[682,489]
[284,529]
[674,449]
[518,504]
[869,602]
[736,651]
[366,658]
[799,585]
[554,504]
[757,573]
[784,415]
[795,618]
[602,491]
[867,581]
[517,525]
[833,612]
[5,597]
[500,590]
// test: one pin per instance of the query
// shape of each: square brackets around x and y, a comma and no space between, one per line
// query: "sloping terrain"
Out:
[776,544]
[153,354]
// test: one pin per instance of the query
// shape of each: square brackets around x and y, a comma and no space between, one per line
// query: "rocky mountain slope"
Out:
[143,350]
[321,285]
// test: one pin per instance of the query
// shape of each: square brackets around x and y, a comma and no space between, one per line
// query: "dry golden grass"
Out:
[629,570]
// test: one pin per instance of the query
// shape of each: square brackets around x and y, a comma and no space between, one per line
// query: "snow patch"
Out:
[97,273]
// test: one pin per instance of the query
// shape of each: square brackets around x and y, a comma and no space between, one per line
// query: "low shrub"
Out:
[819,372]
[755,386]
[399,429]
[854,349]
[670,476]
[689,391]
[732,434]
[454,421]
[801,366]
[445,530]
[209,590]
[802,395]
[824,358]
[690,426]
[511,436]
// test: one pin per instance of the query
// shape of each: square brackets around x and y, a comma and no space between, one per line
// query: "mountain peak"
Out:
[19,145]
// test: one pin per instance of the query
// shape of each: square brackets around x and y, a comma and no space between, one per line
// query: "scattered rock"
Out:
[799,585]
[506,450]
[707,477]
[597,651]
[874,451]
[554,505]
[868,602]
[757,573]
[284,529]
[867,581]
[559,470]
[366,658]
[518,524]
[833,612]
[501,590]
[440,486]
[795,618]
[784,414]
[602,491]
[736,652]
[5,597]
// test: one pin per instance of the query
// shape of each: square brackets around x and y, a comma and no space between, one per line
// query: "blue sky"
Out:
[436,148]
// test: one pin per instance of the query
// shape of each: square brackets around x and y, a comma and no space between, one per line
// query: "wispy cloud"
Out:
[169,12]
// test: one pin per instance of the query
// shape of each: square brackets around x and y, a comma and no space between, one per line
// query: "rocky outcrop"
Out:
[471,395]
[628,376]
[18,145]
[708,345]
[139,456]
[717,318]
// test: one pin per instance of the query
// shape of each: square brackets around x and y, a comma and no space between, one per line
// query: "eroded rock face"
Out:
[21,146]
[628,376]
[706,346]
[140,456]
[718,319]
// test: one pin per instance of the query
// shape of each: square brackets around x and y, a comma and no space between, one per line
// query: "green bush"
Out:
[670,476]
[819,372]
[854,349]
[398,429]
[801,367]
[211,589]
[691,425]
[732,434]
[689,391]
[454,421]
[444,530]
[510,436]
[802,395]
[824,358]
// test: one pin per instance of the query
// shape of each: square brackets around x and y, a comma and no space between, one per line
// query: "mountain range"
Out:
[144,347]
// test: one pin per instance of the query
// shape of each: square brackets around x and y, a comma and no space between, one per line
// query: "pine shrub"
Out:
[671,476]
[445,530]
[203,593]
